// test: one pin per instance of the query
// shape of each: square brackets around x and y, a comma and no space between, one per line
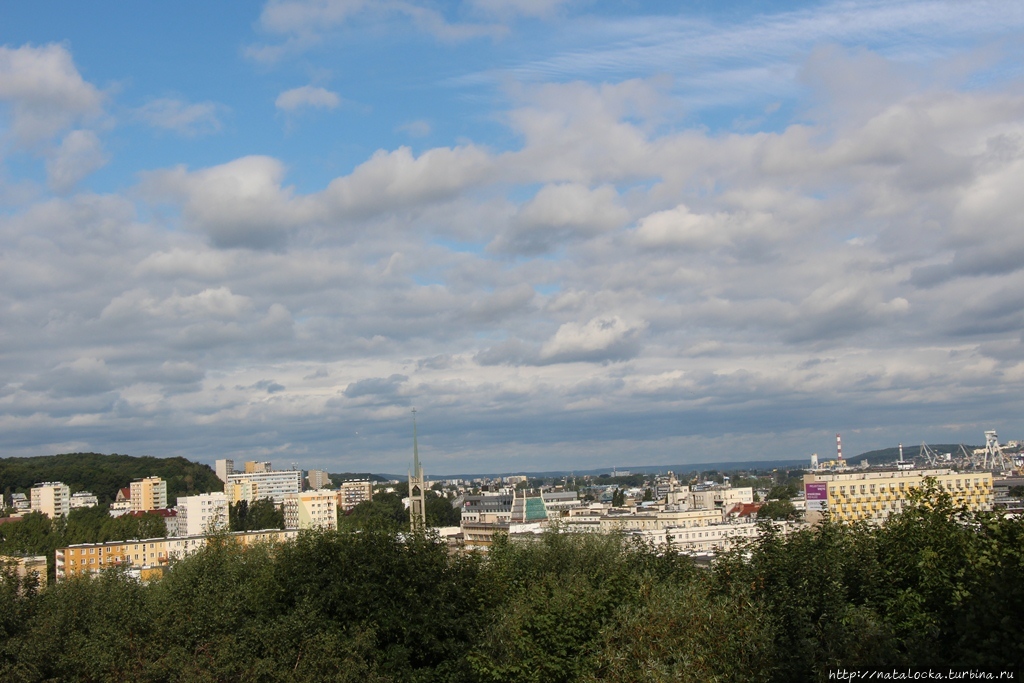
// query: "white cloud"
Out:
[79,154]
[600,339]
[45,90]
[188,119]
[307,96]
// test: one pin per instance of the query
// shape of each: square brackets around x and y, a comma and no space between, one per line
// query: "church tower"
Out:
[417,493]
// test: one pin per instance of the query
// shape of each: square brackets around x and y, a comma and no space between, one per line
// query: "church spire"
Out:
[417,493]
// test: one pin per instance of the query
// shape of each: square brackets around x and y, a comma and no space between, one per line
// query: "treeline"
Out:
[933,588]
[103,475]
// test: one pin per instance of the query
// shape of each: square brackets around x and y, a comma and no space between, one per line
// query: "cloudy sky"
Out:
[571,233]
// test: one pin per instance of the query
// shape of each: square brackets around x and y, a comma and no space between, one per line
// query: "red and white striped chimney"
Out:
[839,448]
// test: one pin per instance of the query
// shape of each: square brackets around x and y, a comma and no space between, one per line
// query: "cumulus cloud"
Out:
[185,118]
[562,213]
[600,339]
[238,204]
[307,97]
[79,154]
[45,91]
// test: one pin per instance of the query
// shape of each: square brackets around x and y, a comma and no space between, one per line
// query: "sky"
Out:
[572,234]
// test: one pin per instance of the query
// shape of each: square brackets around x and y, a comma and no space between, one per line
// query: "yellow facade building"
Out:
[139,555]
[148,494]
[874,495]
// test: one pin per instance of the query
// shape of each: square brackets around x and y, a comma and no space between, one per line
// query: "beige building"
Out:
[311,510]
[52,498]
[138,555]
[874,495]
[148,494]
[663,519]
[720,497]
[318,479]
[254,467]
[23,566]
[224,467]
[352,493]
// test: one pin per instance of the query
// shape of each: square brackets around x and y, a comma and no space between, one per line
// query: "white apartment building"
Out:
[84,499]
[198,515]
[148,494]
[719,497]
[52,498]
[252,486]
[311,510]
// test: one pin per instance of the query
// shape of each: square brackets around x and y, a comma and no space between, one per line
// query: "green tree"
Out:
[778,509]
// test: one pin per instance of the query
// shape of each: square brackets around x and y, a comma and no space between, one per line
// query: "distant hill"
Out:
[888,455]
[338,477]
[105,474]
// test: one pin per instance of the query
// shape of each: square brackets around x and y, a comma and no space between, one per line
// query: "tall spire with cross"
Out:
[417,486]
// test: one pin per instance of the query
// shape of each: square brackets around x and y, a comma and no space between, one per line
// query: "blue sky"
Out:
[572,234]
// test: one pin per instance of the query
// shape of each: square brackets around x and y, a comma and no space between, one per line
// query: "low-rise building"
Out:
[20,502]
[140,554]
[84,499]
[122,503]
[52,498]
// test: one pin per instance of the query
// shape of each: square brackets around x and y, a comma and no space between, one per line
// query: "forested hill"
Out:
[105,474]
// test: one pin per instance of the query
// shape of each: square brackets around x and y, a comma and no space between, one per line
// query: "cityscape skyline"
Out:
[573,234]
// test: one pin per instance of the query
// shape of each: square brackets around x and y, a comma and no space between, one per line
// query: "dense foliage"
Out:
[934,587]
[103,475]
[260,514]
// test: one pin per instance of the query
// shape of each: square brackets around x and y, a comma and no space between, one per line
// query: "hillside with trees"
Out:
[103,475]
[935,587]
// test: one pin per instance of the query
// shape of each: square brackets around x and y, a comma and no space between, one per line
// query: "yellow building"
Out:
[874,495]
[143,554]
[148,494]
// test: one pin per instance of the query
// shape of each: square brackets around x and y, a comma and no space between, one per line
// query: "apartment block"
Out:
[84,499]
[52,498]
[140,554]
[274,485]
[352,493]
[254,467]
[202,514]
[311,510]
[318,479]
[718,497]
[873,495]
[224,468]
[148,494]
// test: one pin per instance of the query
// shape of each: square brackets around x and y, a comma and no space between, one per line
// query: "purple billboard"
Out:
[816,495]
